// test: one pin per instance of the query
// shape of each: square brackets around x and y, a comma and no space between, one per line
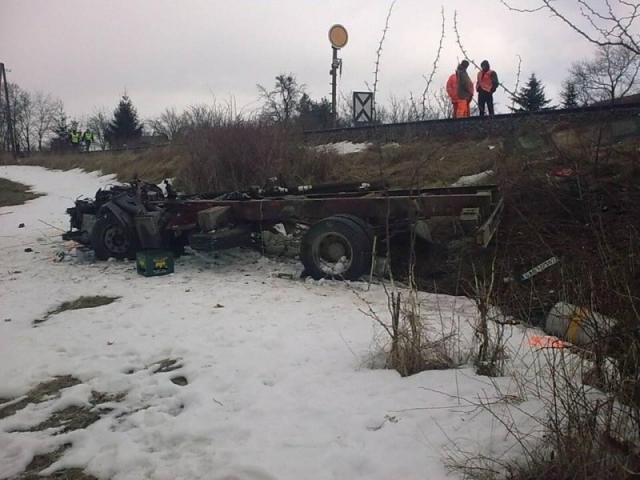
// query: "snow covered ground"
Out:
[279,384]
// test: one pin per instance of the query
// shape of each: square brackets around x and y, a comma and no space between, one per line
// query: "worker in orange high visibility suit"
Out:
[464,90]
[452,88]
[486,85]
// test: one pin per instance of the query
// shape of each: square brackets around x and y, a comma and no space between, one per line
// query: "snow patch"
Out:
[343,148]
[477,179]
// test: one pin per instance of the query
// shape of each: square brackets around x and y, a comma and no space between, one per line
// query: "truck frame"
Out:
[342,225]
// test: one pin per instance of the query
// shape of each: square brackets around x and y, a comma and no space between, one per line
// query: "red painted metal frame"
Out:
[375,207]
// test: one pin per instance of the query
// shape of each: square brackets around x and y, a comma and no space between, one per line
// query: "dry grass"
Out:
[79,304]
[430,162]
[166,365]
[65,420]
[38,394]
[45,460]
[233,157]
[152,164]
[14,193]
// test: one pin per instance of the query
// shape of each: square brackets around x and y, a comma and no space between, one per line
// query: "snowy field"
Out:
[278,368]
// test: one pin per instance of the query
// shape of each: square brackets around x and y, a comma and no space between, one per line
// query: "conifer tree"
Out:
[124,128]
[531,97]
[60,140]
[569,95]
[312,114]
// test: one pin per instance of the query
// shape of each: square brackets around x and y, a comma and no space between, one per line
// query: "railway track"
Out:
[498,124]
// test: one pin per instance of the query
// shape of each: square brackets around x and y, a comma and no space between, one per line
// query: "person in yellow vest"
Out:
[464,90]
[74,137]
[486,85]
[87,138]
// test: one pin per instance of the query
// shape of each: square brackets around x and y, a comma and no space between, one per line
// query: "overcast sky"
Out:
[173,53]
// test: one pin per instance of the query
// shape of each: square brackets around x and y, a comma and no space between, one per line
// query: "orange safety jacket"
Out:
[485,81]
[452,88]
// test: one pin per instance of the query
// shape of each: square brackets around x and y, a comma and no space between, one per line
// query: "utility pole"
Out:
[338,37]
[10,133]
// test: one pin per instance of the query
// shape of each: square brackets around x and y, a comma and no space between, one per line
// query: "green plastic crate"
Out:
[152,263]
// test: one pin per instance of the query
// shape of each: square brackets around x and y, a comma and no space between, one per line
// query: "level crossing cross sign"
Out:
[362,107]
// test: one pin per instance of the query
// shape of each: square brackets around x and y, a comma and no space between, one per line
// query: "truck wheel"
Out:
[366,228]
[336,247]
[110,239]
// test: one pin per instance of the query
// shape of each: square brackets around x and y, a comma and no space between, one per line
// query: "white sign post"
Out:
[362,107]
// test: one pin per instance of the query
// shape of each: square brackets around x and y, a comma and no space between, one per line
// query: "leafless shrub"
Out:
[489,328]
[580,432]
[98,123]
[237,156]
[176,126]
[414,344]
[588,426]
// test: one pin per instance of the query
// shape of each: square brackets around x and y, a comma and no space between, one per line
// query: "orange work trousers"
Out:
[462,108]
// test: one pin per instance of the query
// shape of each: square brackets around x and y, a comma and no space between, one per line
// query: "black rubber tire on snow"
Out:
[366,227]
[110,239]
[328,242]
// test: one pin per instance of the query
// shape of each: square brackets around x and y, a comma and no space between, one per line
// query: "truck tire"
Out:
[111,239]
[366,228]
[336,247]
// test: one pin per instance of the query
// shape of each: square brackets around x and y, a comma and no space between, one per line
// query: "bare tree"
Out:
[611,74]
[434,68]
[209,115]
[45,108]
[466,55]
[399,110]
[199,116]
[604,22]
[23,112]
[281,102]
[442,106]
[345,110]
[376,71]
[169,123]
[98,123]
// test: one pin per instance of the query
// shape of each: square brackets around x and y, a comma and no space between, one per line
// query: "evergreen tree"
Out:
[312,114]
[125,127]
[60,140]
[531,97]
[569,95]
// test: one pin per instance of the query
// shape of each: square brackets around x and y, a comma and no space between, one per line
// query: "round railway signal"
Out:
[338,36]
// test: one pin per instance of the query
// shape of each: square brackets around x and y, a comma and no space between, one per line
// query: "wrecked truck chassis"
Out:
[374,207]
[341,224]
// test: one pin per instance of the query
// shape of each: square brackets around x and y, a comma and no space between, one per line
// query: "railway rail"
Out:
[500,123]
